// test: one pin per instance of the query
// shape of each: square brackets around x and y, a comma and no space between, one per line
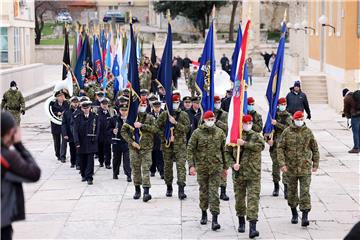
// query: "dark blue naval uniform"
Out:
[59,143]
[157,154]
[105,134]
[67,130]
[86,130]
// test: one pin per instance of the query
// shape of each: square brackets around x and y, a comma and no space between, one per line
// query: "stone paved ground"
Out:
[61,206]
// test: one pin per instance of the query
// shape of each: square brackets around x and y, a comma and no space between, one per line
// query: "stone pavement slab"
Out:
[60,206]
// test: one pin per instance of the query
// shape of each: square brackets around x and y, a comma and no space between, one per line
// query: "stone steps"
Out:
[315,87]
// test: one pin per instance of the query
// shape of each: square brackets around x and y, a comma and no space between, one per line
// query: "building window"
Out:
[4,48]
[110,7]
[331,13]
[17,45]
[339,16]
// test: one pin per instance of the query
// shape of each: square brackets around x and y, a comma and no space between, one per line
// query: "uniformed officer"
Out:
[247,175]
[206,159]
[257,119]
[157,154]
[144,92]
[225,102]
[67,128]
[186,103]
[99,96]
[176,149]
[104,139]
[13,102]
[145,79]
[192,80]
[110,88]
[59,106]
[281,121]
[298,156]
[194,113]
[140,153]
[86,132]
[120,146]
[151,98]
[221,122]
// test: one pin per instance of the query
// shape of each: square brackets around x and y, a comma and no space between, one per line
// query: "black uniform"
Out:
[67,130]
[105,135]
[225,104]
[157,154]
[120,148]
[86,130]
[59,142]
[193,121]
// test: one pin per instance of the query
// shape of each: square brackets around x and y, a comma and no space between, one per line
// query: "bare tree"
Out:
[232,19]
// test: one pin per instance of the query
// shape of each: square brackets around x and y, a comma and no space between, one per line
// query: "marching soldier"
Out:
[281,121]
[186,104]
[206,159]
[157,154]
[67,128]
[191,81]
[99,96]
[225,102]
[257,119]
[86,130]
[176,150]
[13,102]
[145,79]
[59,106]
[144,92]
[120,146]
[104,139]
[247,175]
[194,113]
[110,88]
[140,154]
[298,156]
[221,122]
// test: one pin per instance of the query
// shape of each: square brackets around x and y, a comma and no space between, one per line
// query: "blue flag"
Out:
[125,64]
[80,67]
[273,89]
[236,56]
[116,72]
[165,78]
[133,75]
[205,76]
[102,39]
[97,61]
[107,62]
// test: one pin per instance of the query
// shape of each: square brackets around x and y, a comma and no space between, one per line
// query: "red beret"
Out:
[247,118]
[251,100]
[208,114]
[175,98]
[128,85]
[298,115]
[282,100]
[217,99]
[143,100]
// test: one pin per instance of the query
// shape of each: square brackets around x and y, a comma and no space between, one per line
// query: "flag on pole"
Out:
[66,55]
[79,44]
[83,60]
[116,72]
[125,63]
[153,55]
[236,56]
[133,75]
[165,78]
[138,48]
[107,61]
[74,55]
[97,61]
[118,81]
[205,75]
[273,89]
[237,101]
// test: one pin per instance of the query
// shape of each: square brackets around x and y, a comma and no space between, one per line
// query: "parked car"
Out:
[64,17]
[119,17]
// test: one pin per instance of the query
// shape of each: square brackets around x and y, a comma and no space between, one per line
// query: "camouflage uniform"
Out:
[145,80]
[13,102]
[90,92]
[247,179]
[257,121]
[110,91]
[206,153]
[191,83]
[221,122]
[298,150]
[141,159]
[283,120]
[177,150]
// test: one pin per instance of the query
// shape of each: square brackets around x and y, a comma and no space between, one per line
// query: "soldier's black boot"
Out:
[276,189]
[285,191]
[137,194]
[304,218]
[146,196]
[169,190]
[204,219]
[253,232]
[181,193]
[295,216]
[214,225]
[223,195]
[241,228]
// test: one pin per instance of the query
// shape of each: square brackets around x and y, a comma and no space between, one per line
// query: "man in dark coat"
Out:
[297,100]
[58,107]
[17,166]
